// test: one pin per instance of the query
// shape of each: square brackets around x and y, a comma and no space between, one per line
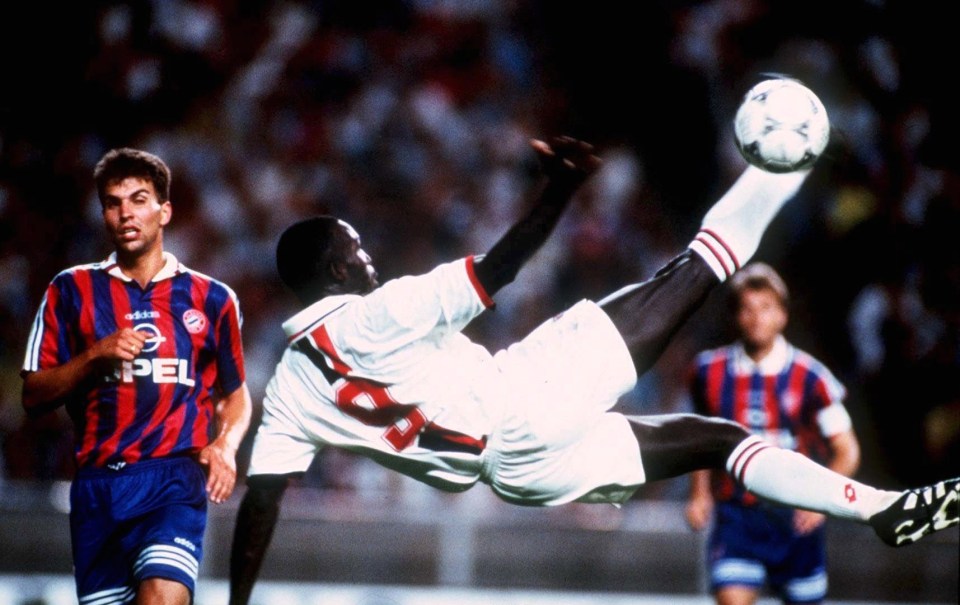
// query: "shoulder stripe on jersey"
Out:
[321,340]
[317,359]
[481,291]
[32,361]
[313,324]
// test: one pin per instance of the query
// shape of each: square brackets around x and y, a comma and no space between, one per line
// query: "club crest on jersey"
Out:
[194,321]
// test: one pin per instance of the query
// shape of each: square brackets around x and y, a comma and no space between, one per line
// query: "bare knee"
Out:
[675,444]
[161,591]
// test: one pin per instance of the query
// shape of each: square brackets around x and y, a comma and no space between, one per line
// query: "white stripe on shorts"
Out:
[164,554]
[110,596]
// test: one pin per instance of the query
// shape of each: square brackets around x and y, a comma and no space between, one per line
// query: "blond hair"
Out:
[759,276]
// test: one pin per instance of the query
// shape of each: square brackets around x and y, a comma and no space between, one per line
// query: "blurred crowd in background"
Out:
[411,119]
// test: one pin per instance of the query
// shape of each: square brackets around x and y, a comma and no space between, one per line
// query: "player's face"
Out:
[361,274]
[761,318]
[134,215]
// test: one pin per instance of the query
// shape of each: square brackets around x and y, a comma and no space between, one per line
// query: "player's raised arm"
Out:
[567,163]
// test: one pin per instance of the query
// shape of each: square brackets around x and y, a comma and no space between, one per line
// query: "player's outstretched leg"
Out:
[648,314]
[918,513]
[675,444]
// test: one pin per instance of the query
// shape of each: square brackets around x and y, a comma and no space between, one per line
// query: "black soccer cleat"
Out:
[919,512]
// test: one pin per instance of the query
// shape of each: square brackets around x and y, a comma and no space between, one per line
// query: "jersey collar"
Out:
[171,267]
[306,319]
[775,362]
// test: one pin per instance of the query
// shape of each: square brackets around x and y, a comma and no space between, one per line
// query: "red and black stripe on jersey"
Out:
[431,436]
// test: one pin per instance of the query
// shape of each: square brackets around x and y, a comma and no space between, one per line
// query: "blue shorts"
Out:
[145,520]
[755,546]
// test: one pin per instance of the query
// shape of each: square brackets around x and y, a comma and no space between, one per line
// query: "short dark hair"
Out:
[304,253]
[124,162]
[759,276]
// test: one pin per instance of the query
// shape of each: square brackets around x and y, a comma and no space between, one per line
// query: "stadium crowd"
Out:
[412,119]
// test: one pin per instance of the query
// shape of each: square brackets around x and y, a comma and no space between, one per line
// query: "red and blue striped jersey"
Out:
[789,398]
[161,403]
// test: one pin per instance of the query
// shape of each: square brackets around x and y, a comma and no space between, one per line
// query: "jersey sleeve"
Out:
[230,363]
[833,420]
[411,309]
[47,345]
[827,395]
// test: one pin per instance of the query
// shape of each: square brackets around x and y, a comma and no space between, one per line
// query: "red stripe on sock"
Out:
[754,452]
[715,254]
[754,442]
[720,241]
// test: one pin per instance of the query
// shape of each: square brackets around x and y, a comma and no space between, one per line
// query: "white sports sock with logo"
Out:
[731,230]
[788,478]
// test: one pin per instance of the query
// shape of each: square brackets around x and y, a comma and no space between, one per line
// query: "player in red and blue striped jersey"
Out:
[147,357]
[791,400]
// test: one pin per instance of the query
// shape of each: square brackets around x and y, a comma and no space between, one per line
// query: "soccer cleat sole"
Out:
[919,512]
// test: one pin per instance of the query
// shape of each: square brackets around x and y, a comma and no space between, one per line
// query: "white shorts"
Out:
[558,441]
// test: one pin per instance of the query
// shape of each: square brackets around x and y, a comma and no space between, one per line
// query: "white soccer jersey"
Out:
[389,375]
[371,373]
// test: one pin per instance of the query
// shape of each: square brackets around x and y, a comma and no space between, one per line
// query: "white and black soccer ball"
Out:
[781,126]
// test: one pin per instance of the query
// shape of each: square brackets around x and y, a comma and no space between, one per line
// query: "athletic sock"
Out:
[788,478]
[731,230]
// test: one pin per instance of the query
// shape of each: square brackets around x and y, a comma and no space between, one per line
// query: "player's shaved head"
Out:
[304,253]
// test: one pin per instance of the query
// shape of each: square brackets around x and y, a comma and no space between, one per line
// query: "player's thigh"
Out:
[602,464]
[98,563]
[100,567]
[802,576]
[280,449]
[127,522]
[738,549]
[576,360]
[165,538]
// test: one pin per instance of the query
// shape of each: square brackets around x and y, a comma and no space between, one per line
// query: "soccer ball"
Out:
[781,126]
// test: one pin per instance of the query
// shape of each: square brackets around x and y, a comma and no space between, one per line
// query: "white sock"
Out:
[731,230]
[792,479]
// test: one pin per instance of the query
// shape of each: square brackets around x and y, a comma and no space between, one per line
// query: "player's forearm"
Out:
[845,458]
[45,389]
[699,485]
[233,417]
[503,262]
[256,520]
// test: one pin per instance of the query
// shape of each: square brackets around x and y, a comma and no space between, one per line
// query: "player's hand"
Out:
[698,512]
[805,521]
[221,465]
[124,345]
[566,159]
